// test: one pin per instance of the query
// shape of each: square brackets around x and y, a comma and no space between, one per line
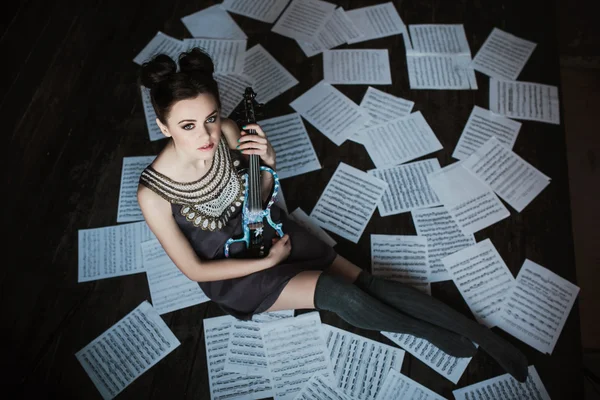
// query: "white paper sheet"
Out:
[357,67]
[126,350]
[505,387]
[440,72]
[503,55]
[444,237]
[296,351]
[515,180]
[295,152]
[160,44]
[229,385]
[228,55]
[444,364]
[482,125]
[482,278]
[213,22]
[231,90]
[111,250]
[348,201]
[438,39]
[401,258]
[170,289]
[308,223]
[271,78]
[408,188]
[400,140]
[470,201]
[360,364]
[337,31]
[319,388]
[331,112]
[129,208]
[154,131]
[398,386]
[304,19]
[536,308]
[262,10]
[376,21]
[525,100]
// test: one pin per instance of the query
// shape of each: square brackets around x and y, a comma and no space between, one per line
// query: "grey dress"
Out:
[209,212]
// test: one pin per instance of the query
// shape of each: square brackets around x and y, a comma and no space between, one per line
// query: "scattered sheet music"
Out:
[309,223]
[482,125]
[505,387]
[231,90]
[160,44]
[337,31]
[213,22]
[319,387]
[469,200]
[444,237]
[271,78]
[348,202]
[400,140]
[304,19]
[228,55]
[401,258]
[376,21]
[536,308]
[503,55]
[525,100]
[262,10]
[408,188]
[398,386]
[331,112]
[295,152]
[128,349]
[515,180]
[357,67]
[482,278]
[154,131]
[111,250]
[129,208]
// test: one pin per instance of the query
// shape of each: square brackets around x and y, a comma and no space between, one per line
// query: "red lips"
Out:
[206,147]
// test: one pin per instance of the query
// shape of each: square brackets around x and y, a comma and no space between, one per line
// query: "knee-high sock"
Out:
[358,308]
[417,304]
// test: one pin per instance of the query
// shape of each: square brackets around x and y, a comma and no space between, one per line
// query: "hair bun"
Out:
[196,60]
[160,68]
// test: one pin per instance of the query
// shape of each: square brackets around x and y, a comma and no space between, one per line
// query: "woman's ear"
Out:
[163,128]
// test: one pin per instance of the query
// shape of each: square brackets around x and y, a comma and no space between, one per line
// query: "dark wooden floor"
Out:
[71,110]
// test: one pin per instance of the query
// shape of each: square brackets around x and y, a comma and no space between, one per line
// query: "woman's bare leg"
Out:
[299,293]
[344,268]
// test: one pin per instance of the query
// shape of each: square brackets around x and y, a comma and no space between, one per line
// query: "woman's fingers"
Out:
[256,127]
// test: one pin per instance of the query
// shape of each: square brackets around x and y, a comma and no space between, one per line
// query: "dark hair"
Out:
[168,86]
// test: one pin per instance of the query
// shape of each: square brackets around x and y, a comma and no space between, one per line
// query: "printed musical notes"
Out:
[228,55]
[160,44]
[398,386]
[129,209]
[376,21]
[357,67]
[304,19]
[270,77]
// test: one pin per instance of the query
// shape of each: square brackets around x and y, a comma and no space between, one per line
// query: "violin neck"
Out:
[254,187]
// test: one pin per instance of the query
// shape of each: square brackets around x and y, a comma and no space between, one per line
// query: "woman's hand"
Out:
[257,144]
[280,250]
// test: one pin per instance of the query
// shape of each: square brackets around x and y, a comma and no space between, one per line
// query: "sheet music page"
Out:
[228,55]
[337,31]
[111,250]
[408,188]
[515,180]
[229,385]
[262,10]
[444,237]
[304,19]
[482,278]
[170,289]
[398,386]
[319,387]
[154,131]
[357,67]
[400,140]
[360,364]
[444,364]
[401,258]
[129,208]
[505,387]
[536,308]
[348,201]
[482,125]
[296,351]
[440,72]
[308,223]
[213,22]
[289,138]
[270,316]
[503,55]
[468,199]
[126,350]
[525,100]
[376,21]
[271,78]
[331,112]
[160,44]
[231,90]
[438,39]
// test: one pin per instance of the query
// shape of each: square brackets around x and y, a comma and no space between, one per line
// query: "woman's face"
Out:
[195,126]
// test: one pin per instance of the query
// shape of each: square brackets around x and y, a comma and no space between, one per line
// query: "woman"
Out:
[191,197]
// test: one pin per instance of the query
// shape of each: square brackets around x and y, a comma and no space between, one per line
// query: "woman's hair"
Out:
[168,86]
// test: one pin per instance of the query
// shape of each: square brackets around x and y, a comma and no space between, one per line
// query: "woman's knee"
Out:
[344,268]
[298,293]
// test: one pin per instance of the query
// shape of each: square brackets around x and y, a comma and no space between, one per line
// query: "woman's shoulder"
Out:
[231,132]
